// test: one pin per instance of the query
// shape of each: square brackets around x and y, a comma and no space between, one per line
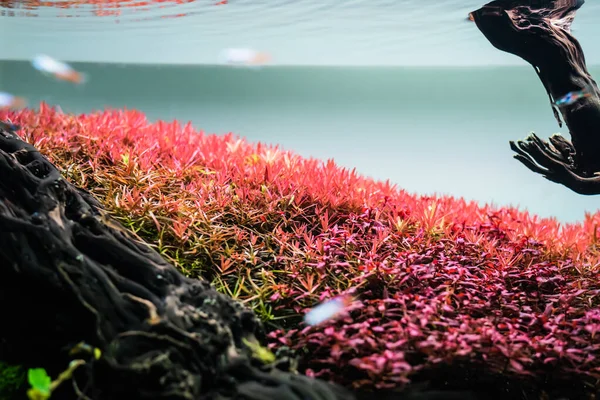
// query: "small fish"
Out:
[83,347]
[8,101]
[572,97]
[58,69]
[327,310]
[241,56]
[7,126]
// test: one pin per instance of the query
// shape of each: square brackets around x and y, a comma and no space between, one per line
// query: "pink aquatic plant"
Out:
[442,282]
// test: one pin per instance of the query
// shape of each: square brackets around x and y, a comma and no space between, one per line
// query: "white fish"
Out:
[58,69]
[243,56]
[8,100]
[327,310]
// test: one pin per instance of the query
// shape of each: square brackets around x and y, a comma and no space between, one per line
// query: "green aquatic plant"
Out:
[42,385]
[13,380]
[259,352]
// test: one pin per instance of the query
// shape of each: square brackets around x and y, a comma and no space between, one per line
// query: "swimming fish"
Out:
[7,126]
[327,310]
[572,97]
[8,101]
[242,56]
[58,69]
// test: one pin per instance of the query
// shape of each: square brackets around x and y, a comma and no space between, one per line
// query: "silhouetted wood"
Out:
[538,31]
[69,273]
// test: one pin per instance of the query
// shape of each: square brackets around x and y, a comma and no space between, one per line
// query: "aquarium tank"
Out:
[299,200]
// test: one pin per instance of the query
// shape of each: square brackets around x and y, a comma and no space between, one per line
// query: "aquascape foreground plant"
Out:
[12,380]
[42,385]
[440,281]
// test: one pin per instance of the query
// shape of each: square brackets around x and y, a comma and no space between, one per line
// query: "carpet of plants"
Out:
[438,281]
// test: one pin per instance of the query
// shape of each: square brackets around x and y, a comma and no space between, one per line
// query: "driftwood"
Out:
[538,31]
[69,273]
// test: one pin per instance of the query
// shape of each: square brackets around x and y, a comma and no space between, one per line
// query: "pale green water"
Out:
[295,32]
[429,130]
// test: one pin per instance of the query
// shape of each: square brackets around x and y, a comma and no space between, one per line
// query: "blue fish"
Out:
[572,97]
[9,127]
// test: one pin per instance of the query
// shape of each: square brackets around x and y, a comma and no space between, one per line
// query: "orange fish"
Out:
[241,56]
[59,70]
[8,101]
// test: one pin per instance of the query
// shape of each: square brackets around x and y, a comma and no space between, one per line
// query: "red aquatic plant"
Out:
[439,281]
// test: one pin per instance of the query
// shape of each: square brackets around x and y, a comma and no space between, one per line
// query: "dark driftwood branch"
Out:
[68,273]
[539,32]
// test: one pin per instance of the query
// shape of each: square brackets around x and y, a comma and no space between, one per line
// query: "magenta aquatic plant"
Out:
[439,282]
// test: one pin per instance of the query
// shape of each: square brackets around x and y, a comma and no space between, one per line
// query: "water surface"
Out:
[298,32]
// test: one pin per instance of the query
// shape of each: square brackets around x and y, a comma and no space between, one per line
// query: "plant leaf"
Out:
[39,380]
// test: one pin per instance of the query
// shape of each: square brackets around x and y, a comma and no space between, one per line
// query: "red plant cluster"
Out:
[439,281]
[472,296]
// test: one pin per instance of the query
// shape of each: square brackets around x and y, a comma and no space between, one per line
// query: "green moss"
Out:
[13,381]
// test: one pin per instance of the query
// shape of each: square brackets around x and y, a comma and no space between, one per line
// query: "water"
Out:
[344,85]
[298,32]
